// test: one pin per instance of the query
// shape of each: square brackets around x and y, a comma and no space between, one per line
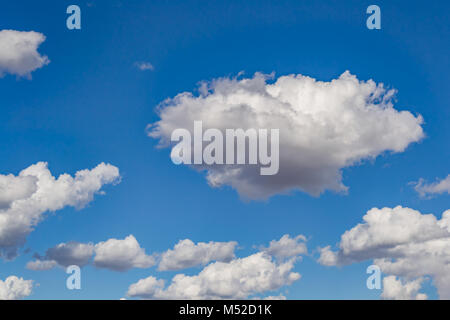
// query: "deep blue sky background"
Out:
[90,104]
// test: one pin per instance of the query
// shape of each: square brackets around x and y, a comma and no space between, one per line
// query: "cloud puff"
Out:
[394,289]
[143,66]
[402,242]
[287,247]
[121,255]
[438,187]
[18,54]
[324,127]
[237,279]
[14,288]
[146,288]
[51,194]
[187,254]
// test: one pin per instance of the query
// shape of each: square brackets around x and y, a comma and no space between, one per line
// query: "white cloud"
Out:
[187,254]
[18,52]
[287,247]
[324,127]
[14,288]
[402,242]
[237,279]
[438,187]
[143,66]
[51,194]
[146,288]
[394,289]
[121,255]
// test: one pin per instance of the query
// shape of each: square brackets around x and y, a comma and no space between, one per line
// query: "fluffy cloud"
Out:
[237,279]
[64,254]
[438,187]
[394,289]
[121,255]
[14,288]
[324,127]
[287,247]
[19,53]
[146,288]
[403,242]
[187,254]
[113,254]
[26,208]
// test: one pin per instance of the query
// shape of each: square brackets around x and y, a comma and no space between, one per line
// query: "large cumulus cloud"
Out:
[324,127]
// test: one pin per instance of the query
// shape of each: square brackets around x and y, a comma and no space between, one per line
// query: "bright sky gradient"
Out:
[93,101]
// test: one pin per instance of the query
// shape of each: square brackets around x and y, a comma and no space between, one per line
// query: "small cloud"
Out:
[144,66]
[429,189]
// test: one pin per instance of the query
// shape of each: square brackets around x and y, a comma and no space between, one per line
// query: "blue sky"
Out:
[91,104]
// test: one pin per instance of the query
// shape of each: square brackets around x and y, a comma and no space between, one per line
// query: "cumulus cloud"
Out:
[237,279]
[113,254]
[18,53]
[324,127]
[146,288]
[403,242]
[144,66]
[121,255]
[14,288]
[25,210]
[287,247]
[395,289]
[187,254]
[429,189]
